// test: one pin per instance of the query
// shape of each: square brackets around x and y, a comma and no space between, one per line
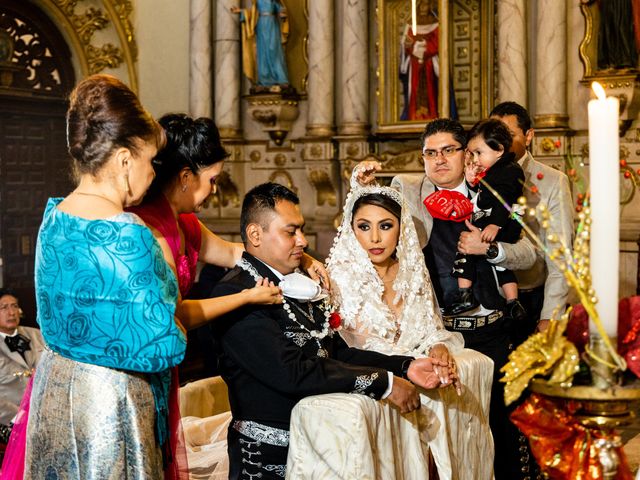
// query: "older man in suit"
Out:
[20,349]
[443,147]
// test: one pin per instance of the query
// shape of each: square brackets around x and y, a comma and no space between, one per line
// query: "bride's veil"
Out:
[357,289]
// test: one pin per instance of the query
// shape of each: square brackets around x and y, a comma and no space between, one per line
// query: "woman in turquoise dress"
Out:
[106,301]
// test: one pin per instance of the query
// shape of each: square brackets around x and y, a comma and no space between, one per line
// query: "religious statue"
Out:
[419,70]
[265,29]
[619,35]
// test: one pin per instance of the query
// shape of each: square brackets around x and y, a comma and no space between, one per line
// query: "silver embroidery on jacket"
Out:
[363,382]
[262,433]
[299,338]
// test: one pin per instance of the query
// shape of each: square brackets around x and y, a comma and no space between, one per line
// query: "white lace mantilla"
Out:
[358,290]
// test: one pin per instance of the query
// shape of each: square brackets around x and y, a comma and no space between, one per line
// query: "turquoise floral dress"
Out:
[106,300]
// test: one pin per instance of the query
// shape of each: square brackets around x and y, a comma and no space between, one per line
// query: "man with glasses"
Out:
[443,146]
[20,349]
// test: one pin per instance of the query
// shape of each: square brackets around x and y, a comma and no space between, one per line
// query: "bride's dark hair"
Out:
[378,200]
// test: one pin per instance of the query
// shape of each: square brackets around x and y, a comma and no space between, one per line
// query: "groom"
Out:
[272,356]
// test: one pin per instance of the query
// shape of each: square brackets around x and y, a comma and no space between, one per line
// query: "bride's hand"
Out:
[449,374]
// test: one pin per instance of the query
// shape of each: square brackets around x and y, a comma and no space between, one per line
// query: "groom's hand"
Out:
[404,395]
[422,372]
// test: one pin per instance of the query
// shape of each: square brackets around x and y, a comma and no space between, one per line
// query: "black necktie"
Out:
[18,343]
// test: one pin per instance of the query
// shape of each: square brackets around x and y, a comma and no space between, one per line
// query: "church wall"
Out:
[162,31]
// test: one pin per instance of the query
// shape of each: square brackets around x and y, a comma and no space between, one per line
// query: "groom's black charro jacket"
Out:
[270,363]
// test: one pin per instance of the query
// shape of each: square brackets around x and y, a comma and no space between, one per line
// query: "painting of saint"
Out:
[419,67]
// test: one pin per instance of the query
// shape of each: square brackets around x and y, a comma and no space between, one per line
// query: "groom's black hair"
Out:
[260,199]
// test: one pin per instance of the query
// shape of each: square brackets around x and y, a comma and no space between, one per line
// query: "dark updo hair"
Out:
[191,143]
[494,132]
[378,200]
[104,115]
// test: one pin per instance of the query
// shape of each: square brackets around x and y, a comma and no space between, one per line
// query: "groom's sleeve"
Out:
[354,356]
[251,340]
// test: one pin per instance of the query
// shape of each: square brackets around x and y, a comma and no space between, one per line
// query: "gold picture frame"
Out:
[466,45]
[589,46]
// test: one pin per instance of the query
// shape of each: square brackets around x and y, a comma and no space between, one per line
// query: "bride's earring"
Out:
[184,187]
[127,187]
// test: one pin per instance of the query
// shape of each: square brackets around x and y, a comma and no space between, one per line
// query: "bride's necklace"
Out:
[89,194]
[315,334]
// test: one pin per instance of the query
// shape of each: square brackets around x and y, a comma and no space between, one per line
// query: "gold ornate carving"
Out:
[392,162]
[83,25]
[280,159]
[124,8]
[255,156]
[353,149]
[107,56]
[315,151]
[275,112]
[325,191]
[547,145]
[551,120]
[227,192]
[288,181]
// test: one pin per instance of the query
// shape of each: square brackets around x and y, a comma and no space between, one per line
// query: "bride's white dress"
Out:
[454,428]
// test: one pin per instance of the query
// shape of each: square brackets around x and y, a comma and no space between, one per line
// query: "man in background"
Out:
[20,349]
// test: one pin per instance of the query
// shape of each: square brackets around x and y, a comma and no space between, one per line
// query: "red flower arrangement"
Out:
[335,321]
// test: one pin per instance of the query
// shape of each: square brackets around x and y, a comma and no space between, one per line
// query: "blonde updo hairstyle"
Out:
[104,115]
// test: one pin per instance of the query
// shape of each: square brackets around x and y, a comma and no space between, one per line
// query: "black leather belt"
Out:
[469,323]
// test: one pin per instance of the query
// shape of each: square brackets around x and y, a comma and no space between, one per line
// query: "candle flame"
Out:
[414,20]
[599,91]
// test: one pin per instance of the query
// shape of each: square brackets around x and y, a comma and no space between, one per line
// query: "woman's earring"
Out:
[184,187]
[127,187]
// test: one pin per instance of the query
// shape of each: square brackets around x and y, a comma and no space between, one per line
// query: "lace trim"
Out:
[244,264]
[363,382]
[262,433]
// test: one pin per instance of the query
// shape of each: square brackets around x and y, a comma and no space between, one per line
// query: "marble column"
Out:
[512,51]
[551,67]
[320,87]
[353,80]
[228,71]
[200,59]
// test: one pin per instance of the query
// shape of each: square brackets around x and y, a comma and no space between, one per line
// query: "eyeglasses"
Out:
[446,152]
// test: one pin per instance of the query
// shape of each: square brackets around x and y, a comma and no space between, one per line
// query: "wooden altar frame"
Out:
[478,49]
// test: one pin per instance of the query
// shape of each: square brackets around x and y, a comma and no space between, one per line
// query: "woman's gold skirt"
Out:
[90,422]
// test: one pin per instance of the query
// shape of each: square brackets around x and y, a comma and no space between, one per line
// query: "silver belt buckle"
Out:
[464,323]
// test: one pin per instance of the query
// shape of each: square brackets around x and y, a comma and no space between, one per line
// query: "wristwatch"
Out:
[492,251]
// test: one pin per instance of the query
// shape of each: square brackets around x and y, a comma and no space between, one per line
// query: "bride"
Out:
[384,294]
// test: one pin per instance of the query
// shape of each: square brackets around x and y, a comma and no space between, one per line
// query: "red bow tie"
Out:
[449,205]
